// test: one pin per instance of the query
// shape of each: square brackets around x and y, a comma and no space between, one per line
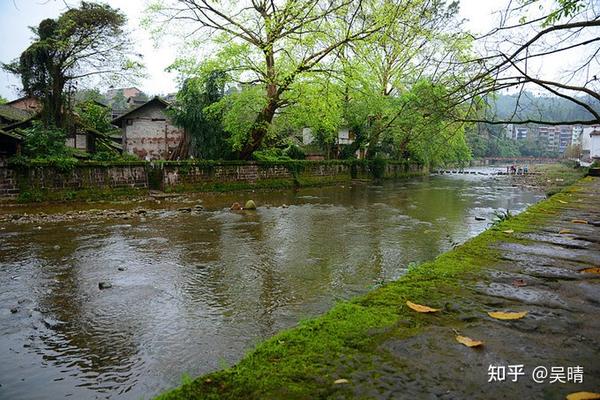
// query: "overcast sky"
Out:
[17,15]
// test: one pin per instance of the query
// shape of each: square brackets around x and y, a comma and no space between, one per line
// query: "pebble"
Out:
[104,285]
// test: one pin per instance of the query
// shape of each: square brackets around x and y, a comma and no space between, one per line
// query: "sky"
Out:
[17,15]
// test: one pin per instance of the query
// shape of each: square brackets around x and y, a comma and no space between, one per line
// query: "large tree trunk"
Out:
[259,129]
[265,117]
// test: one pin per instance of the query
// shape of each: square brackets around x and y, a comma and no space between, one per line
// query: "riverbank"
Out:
[550,178]
[540,262]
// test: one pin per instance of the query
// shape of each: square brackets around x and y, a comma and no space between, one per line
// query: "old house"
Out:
[10,115]
[148,132]
[28,103]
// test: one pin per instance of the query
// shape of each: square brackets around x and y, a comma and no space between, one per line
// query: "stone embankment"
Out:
[542,265]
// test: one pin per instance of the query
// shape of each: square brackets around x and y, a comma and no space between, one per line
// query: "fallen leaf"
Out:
[338,381]
[592,270]
[562,201]
[583,396]
[519,282]
[508,231]
[563,231]
[467,341]
[507,315]
[579,221]
[420,308]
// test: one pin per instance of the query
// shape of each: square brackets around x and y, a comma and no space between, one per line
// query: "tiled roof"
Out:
[13,113]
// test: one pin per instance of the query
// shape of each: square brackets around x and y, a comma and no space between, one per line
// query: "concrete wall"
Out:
[149,134]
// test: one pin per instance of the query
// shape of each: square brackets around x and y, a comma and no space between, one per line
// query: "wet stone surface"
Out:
[540,275]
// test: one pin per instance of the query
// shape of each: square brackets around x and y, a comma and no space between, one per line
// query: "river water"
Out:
[192,292]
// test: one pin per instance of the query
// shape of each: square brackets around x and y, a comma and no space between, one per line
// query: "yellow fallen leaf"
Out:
[563,231]
[420,308]
[579,221]
[339,381]
[592,270]
[508,231]
[467,341]
[507,315]
[562,201]
[583,396]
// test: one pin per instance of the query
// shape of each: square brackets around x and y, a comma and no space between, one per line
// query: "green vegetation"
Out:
[303,362]
[96,194]
[331,67]
[555,177]
[62,52]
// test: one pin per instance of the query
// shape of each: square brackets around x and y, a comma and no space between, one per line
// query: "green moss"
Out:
[43,195]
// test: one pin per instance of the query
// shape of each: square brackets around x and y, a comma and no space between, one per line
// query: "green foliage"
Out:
[489,141]
[501,216]
[273,155]
[81,42]
[208,137]
[112,156]
[47,142]
[95,116]
[3,100]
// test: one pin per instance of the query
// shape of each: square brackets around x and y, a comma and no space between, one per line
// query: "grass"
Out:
[303,362]
[554,177]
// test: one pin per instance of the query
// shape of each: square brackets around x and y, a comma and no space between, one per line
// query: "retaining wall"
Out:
[47,178]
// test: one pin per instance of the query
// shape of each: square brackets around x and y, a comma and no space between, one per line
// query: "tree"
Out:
[3,100]
[81,43]
[513,54]
[270,47]
[191,111]
[422,43]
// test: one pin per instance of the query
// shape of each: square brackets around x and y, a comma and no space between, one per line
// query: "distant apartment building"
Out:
[576,135]
[516,132]
[564,137]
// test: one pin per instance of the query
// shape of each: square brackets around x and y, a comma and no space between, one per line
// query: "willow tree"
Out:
[81,43]
[268,47]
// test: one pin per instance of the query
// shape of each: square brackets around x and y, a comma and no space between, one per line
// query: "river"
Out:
[192,292]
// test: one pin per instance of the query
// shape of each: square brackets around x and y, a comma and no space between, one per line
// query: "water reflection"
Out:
[191,293]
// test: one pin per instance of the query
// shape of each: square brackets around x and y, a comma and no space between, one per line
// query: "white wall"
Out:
[595,146]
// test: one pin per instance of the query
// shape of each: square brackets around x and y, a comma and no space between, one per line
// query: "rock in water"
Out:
[104,285]
[235,207]
[250,205]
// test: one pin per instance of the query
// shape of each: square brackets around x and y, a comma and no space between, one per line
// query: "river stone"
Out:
[250,205]
[104,285]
